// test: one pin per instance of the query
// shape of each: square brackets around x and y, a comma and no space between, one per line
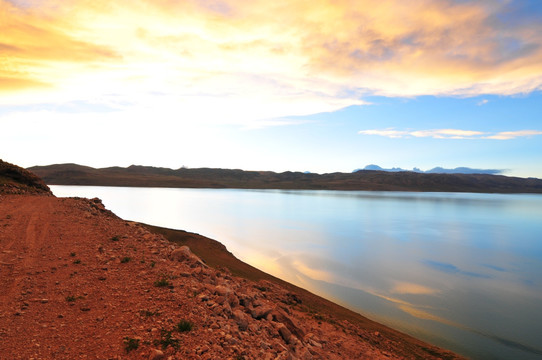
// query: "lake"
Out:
[459,270]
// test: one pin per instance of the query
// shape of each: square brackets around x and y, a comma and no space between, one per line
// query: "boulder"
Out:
[261,312]
[222,290]
[281,317]
[156,354]
[285,334]
[183,254]
[241,319]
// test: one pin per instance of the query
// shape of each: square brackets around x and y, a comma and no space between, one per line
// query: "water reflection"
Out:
[460,270]
[452,269]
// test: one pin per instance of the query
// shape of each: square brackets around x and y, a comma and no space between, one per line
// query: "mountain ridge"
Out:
[437,170]
[371,180]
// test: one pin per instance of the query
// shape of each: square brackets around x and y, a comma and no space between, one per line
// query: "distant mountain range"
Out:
[146,176]
[437,170]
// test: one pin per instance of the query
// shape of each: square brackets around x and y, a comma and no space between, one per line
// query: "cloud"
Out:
[507,135]
[429,47]
[482,102]
[211,61]
[391,133]
[436,134]
[321,56]
[449,134]
[446,133]
[32,41]
[13,84]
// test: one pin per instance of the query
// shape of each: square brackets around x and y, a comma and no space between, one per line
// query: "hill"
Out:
[16,180]
[145,176]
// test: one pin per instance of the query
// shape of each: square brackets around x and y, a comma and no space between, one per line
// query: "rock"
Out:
[257,303]
[233,300]
[156,354]
[222,290]
[315,343]
[303,354]
[254,327]
[293,299]
[97,203]
[241,319]
[261,312]
[203,350]
[285,334]
[245,301]
[281,317]
[183,254]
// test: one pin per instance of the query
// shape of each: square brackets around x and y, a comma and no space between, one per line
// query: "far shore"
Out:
[369,180]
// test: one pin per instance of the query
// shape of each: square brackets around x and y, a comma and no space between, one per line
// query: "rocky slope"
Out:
[16,180]
[78,282]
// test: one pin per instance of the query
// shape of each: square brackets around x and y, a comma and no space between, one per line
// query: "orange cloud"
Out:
[11,84]
[312,56]
[427,47]
[35,48]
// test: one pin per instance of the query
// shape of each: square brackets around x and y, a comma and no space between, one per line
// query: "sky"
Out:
[320,85]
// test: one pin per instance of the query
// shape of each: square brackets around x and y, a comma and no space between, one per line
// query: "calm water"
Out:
[463,271]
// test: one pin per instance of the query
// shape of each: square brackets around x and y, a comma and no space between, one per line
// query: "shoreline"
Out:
[75,273]
[216,255]
[302,189]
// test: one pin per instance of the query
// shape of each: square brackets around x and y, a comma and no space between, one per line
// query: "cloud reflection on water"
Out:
[296,270]
[452,269]
[410,288]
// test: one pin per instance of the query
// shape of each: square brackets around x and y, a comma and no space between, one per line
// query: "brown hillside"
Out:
[144,176]
[16,180]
